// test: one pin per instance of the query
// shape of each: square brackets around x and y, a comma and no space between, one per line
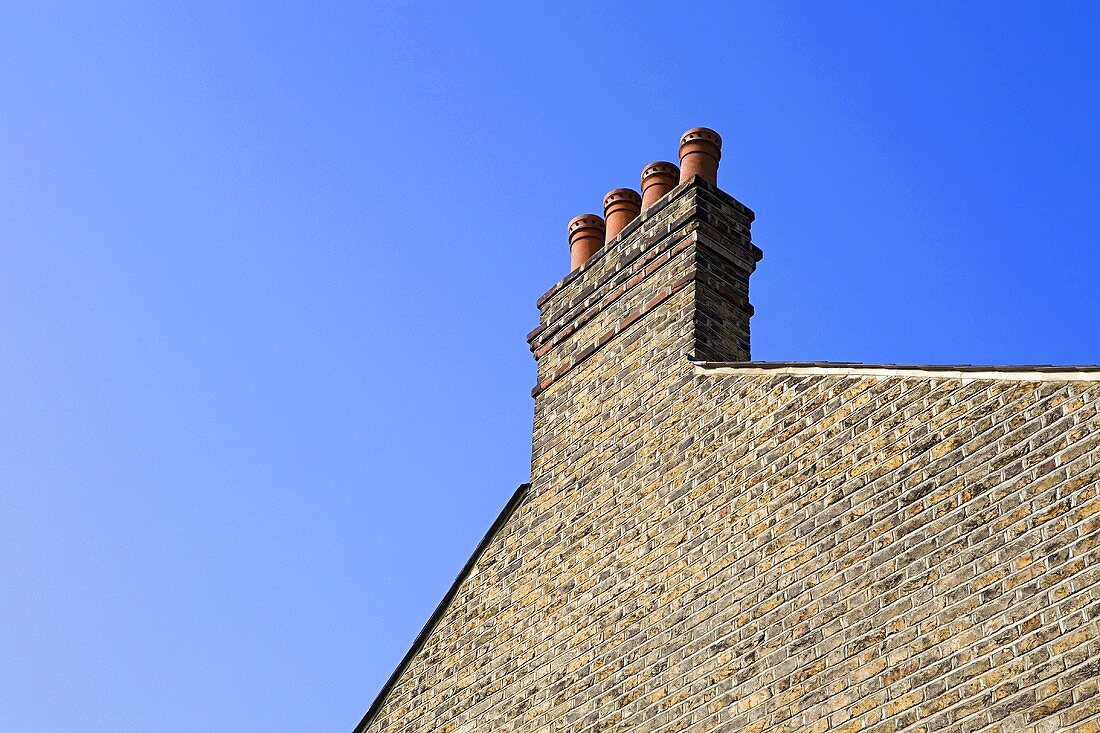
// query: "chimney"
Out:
[620,207]
[586,236]
[658,179]
[700,151]
[668,283]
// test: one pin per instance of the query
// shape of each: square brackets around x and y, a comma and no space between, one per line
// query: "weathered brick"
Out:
[742,550]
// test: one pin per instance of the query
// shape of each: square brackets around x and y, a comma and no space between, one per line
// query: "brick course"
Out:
[703,551]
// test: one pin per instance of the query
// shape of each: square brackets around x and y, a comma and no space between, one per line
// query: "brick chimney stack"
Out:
[673,276]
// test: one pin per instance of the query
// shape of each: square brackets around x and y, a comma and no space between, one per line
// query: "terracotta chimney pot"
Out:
[700,151]
[620,207]
[658,179]
[586,235]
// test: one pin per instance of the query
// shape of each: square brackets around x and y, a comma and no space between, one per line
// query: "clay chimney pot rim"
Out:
[624,195]
[702,133]
[585,221]
[660,166]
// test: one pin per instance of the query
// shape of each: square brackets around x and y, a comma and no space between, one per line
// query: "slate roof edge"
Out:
[1033,372]
[433,620]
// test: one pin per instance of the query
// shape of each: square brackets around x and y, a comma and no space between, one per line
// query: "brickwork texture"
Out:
[709,553]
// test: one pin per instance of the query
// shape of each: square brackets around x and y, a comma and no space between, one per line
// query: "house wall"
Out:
[719,552]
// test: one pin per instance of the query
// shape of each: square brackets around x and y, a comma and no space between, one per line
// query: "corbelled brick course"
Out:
[707,550]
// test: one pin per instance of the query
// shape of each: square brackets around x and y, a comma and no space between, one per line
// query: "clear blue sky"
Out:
[267,272]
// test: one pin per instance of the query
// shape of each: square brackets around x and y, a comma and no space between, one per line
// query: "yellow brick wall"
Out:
[707,552]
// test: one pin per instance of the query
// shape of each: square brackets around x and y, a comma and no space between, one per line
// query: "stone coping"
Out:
[1033,372]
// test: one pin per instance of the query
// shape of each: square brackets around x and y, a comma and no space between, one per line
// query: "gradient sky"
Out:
[267,271]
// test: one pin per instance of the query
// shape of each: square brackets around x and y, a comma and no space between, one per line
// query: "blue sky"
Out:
[267,271]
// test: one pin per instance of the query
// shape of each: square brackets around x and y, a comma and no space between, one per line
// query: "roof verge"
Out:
[422,637]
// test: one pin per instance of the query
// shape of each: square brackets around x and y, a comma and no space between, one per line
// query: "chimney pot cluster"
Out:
[700,151]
